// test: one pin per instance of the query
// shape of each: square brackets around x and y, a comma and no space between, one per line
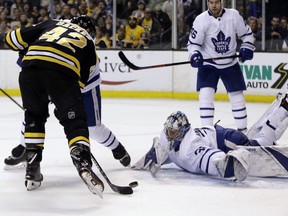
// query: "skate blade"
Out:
[93,185]
[32,185]
[17,166]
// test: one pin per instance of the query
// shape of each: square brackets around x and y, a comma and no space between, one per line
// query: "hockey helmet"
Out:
[176,126]
[85,22]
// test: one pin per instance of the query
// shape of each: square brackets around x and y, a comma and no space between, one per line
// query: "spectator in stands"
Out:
[43,15]
[133,33]
[139,13]
[151,26]
[3,16]
[283,27]
[16,14]
[27,10]
[74,11]
[17,4]
[253,23]
[35,14]
[92,7]
[102,41]
[168,8]
[107,29]
[66,12]
[120,37]
[273,37]
[3,30]
[83,8]
[24,22]
[165,23]
[58,11]
[100,14]
[144,41]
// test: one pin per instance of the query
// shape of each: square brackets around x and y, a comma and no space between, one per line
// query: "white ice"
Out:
[172,192]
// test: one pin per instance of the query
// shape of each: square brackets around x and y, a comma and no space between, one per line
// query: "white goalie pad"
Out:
[281,128]
[256,127]
[153,159]
[268,161]
[237,160]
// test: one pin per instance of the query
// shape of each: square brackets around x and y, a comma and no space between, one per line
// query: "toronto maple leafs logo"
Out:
[221,43]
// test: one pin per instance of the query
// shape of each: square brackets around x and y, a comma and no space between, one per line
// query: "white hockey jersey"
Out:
[217,37]
[197,151]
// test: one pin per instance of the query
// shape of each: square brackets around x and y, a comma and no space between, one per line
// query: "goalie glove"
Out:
[153,159]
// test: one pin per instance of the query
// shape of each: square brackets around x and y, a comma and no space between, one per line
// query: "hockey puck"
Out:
[133,184]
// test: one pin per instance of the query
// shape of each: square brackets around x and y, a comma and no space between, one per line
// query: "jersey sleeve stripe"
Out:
[9,41]
[15,40]
[19,38]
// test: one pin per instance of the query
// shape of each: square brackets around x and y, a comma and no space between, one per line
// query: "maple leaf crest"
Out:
[222,43]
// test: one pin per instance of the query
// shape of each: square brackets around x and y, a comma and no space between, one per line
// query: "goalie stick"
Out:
[126,190]
[134,67]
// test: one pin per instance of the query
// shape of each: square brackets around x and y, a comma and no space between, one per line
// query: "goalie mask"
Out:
[176,126]
[85,22]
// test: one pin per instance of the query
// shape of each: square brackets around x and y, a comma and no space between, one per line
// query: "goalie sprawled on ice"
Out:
[222,152]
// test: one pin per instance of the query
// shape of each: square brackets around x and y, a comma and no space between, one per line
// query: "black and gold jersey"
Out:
[56,45]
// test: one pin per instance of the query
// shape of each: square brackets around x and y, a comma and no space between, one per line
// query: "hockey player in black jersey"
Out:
[59,59]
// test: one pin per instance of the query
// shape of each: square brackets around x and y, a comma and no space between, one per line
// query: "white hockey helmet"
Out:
[176,126]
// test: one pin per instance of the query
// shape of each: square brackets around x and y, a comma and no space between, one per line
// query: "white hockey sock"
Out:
[206,98]
[239,111]
[104,136]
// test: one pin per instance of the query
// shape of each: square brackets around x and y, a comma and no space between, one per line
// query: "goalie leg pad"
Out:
[268,161]
[281,128]
[254,130]
[234,164]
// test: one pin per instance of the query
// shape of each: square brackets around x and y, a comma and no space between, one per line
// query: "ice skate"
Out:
[33,177]
[17,159]
[284,102]
[120,153]
[82,161]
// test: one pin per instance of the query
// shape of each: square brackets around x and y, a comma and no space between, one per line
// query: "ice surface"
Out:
[173,192]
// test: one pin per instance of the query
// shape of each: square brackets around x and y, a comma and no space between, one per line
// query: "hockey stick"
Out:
[118,189]
[134,67]
[5,93]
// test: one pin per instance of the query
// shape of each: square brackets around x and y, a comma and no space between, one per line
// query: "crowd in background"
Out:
[141,24]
